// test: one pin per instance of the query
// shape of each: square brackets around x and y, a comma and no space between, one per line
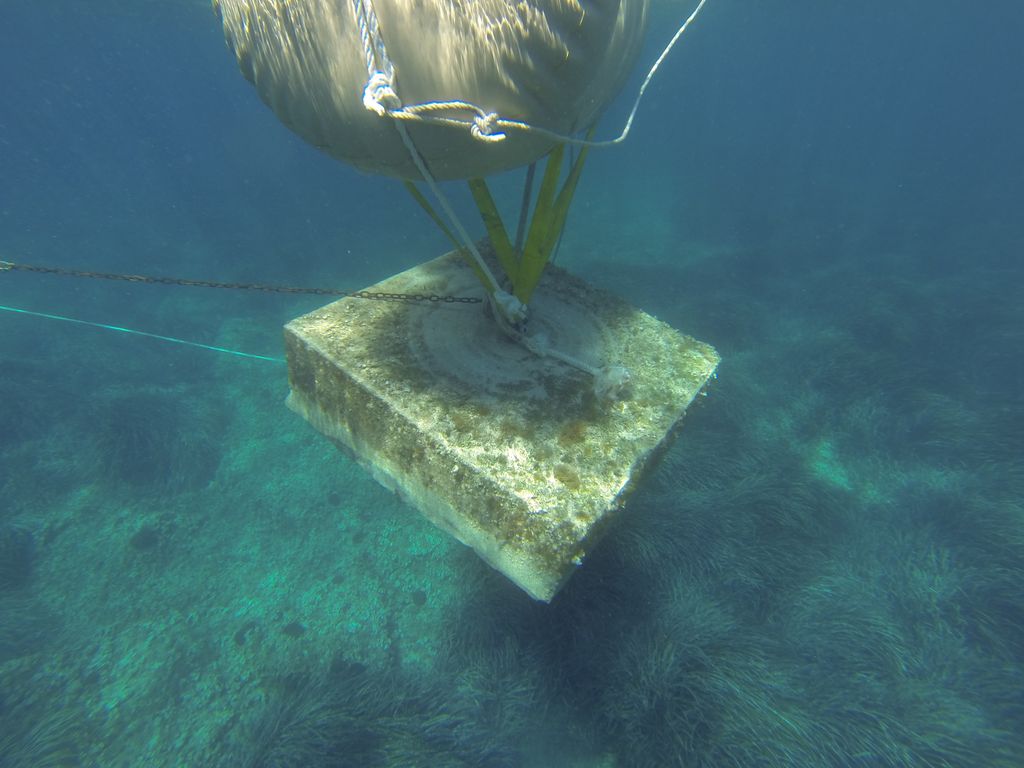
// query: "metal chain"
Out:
[375,295]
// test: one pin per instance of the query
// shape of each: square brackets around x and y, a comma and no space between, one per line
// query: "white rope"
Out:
[643,88]
[380,95]
[373,44]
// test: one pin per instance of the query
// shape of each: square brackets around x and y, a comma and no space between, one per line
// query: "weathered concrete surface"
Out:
[510,452]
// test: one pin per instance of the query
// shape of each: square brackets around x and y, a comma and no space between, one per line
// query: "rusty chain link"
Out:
[376,295]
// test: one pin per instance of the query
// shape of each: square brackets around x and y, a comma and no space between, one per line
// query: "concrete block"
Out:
[510,452]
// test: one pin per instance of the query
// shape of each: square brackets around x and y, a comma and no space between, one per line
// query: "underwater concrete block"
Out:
[512,453]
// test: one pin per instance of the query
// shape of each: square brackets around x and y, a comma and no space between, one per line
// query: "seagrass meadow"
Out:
[824,569]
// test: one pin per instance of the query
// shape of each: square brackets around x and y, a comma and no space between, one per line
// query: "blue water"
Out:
[826,569]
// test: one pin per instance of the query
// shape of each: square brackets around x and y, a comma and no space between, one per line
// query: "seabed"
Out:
[512,453]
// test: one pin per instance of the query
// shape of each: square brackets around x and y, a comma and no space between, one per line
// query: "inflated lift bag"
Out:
[554,64]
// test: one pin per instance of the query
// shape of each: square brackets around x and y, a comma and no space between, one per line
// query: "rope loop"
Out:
[379,96]
[483,127]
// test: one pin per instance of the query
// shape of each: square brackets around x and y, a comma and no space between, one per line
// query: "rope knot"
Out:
[483,127]
[379,96]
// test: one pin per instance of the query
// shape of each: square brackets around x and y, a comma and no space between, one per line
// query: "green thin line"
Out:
[142,333]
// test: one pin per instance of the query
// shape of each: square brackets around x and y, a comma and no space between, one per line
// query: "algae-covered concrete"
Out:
[511,452]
